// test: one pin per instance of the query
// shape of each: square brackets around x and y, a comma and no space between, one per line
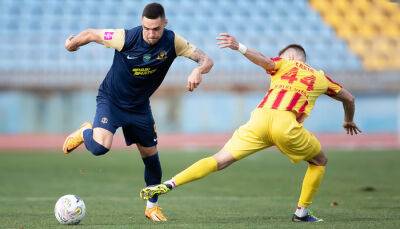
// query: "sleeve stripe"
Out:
[275,59]
[330,80]
[331,92]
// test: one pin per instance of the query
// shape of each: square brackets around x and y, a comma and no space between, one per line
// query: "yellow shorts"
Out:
[268,127]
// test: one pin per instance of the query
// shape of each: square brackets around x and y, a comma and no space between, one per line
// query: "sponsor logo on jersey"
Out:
[143,71]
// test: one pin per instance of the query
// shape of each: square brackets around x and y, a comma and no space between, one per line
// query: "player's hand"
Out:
[227,41]
[194,79]
[351,128]
[68,44]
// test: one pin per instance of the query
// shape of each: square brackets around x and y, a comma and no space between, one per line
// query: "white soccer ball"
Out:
[70,209]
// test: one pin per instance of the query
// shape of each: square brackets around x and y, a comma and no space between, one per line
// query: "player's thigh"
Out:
[105,123]
[140,129]
[298,144]
[248,139]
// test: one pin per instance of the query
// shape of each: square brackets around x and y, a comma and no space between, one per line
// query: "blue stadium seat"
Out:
[265,25]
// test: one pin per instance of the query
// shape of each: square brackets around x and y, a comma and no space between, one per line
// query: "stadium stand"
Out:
[265,25]
[371,28]
[41,84]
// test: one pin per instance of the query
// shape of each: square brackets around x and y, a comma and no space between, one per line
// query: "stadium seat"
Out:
[251,21]
[371,28]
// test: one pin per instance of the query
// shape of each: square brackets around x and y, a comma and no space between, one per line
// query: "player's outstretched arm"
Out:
[349,108]
[205,65]
[225,40]
[86,36]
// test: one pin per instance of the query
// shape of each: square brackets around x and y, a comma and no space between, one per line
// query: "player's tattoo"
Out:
[205,62]
[198,56]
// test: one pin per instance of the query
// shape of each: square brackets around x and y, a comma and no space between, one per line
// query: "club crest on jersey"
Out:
[162,55]
[104,120]
[146,57]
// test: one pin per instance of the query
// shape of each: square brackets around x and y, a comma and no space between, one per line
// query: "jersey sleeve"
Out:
[113,38]
[333,87]
[183,47]
[278,63]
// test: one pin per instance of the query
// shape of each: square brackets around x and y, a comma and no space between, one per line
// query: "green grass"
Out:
[259,192]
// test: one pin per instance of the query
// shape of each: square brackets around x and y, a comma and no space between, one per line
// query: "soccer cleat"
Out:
[76,138]
[155,214]
[310,218]
[153,190]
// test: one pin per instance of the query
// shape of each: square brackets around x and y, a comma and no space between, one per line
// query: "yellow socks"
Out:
[311,183]
[196,171]
[203,167]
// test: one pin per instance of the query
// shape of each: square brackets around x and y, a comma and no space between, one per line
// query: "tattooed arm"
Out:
[205,65]
[205,62]
[186,49]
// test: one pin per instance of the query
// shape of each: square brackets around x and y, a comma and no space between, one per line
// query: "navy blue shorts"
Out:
[137,127]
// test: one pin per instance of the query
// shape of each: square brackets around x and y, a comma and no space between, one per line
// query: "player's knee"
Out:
[323,161]
[98,150]
[320,160]
[223,164]
[224,159]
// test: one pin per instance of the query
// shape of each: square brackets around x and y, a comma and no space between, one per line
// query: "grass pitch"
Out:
[258,192]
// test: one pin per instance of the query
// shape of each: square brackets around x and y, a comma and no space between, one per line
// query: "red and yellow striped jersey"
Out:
[295,86]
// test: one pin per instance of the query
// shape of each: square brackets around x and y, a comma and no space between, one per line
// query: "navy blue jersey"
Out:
[138,70]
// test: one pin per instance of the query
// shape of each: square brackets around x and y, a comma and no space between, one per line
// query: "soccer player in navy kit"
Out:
[142,58]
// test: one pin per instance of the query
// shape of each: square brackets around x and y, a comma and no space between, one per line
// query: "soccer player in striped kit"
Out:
[277,121]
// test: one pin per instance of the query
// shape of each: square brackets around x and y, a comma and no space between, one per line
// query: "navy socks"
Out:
[152,172]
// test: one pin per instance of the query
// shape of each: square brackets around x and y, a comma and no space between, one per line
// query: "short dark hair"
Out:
[153,11]
[297,47]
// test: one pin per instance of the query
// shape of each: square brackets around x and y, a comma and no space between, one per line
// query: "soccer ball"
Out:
[70,209]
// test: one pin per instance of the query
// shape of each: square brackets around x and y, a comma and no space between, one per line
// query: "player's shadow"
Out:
[254,219]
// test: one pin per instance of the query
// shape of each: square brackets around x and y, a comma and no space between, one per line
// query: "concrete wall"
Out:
[198,112]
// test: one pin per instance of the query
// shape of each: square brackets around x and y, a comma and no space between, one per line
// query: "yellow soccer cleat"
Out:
[153,190]
[76,138]
[155,214]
